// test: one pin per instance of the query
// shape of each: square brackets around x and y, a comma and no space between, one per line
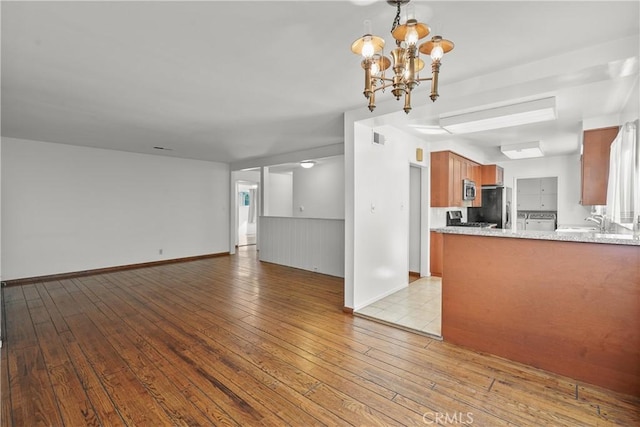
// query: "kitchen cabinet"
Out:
[448,170]
[436,248]
[538,194]
[492,175]
[596,144]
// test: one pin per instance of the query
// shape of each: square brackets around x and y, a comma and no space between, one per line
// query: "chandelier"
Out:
[406,61]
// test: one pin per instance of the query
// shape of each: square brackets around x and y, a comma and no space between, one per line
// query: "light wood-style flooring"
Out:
[418,307]
[232,341]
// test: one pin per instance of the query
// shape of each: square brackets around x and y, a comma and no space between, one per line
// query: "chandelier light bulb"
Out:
[367,49]
[374,68]
[412,35]
[437,53]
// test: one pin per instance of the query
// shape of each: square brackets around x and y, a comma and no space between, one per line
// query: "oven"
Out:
[468,189]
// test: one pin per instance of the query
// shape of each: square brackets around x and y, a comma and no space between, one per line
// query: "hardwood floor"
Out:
[232,341]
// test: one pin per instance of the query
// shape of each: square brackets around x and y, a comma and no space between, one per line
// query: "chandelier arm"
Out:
[385,79]
[383,86]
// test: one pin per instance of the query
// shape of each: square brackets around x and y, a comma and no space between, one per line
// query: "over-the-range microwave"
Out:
[468,189]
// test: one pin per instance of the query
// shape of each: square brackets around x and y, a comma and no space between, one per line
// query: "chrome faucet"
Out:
[598,219]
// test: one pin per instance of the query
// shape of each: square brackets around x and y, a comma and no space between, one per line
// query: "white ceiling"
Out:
[233,80]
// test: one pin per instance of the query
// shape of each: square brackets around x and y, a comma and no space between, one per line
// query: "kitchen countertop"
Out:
[580,237]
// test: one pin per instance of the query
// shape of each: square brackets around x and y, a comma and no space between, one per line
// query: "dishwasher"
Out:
[543,221]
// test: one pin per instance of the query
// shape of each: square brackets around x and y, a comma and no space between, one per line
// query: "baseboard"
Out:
[71,275]
[414,274]
[347,310]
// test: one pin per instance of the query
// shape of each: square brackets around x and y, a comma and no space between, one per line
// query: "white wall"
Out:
[67,208]
[319,191]
[631,111]
[379,202]
[308,243]
[567,169]
[0,231]
[278,188]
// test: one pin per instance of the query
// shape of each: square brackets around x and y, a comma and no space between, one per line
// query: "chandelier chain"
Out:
[396,21]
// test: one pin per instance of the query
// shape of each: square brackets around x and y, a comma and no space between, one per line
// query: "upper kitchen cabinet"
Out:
[537,194]
[596,144]
[448,170]
[492,175]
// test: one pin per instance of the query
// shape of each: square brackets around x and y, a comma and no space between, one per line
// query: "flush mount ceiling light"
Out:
[308,164]
[406,61]
[522,113]
[525,150]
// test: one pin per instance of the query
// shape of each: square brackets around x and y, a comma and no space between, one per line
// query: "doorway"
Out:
[247,213]
[415,214]
[417,307]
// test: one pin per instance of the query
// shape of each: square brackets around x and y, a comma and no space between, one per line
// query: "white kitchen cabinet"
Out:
[529,202]
[537,194]
[549,185]
[529,186]
[549,202]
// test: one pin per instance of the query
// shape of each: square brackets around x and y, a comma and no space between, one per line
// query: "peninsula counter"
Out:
[568,303]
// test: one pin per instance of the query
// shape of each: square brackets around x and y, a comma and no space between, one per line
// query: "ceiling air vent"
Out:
[378,138]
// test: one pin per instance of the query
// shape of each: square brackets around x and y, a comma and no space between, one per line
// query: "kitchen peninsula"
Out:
[565,302]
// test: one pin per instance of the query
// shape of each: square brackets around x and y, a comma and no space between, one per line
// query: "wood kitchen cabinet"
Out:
[448,169]
[492,175]
[596,144]
[436,248]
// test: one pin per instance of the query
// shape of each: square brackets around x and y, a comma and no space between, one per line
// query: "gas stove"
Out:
[472,224]
[454,219]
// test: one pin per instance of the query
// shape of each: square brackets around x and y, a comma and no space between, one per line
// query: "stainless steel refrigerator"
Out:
[496,207]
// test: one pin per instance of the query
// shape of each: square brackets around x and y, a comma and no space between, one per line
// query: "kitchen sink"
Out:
[577,229]
[614,236]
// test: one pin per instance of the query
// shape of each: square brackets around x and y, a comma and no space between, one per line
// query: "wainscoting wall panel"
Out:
[307,243]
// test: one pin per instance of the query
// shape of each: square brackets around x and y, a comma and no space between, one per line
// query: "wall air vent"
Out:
[378,138]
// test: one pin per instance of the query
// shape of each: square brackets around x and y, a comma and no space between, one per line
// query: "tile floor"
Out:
[417,307]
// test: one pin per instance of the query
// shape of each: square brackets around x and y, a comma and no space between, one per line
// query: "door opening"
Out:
[247,213]
[415,212]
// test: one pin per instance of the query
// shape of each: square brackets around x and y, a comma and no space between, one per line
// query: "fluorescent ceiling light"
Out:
[501,117]
[525,150]
[430,130]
